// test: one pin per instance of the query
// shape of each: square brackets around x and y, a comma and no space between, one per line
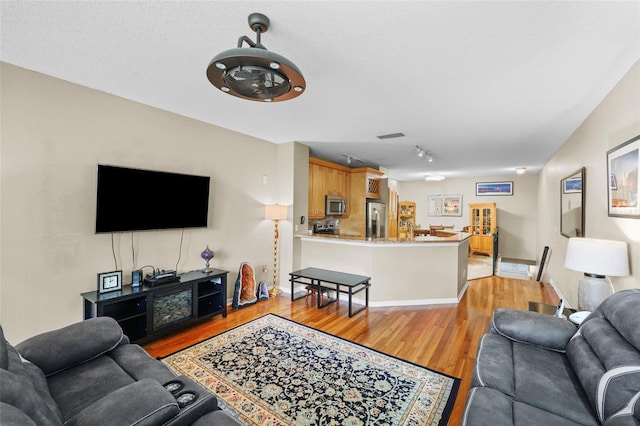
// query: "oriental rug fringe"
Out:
[274,371]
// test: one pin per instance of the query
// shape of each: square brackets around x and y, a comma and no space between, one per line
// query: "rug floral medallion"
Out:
[273,371]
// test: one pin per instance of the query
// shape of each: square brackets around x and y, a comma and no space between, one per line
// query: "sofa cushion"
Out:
[621,310]
[143,403]
[532,328]
[139,365]
[85,384]
[489,407]
[12,416]
[69,346]
[532,375]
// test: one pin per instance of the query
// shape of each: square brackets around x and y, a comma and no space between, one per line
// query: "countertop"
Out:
[453,238]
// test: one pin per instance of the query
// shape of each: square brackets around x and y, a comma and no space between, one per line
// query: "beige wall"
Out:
[54,134]
[615,120]
[517,214]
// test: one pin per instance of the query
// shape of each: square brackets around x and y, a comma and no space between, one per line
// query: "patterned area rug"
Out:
[273,371]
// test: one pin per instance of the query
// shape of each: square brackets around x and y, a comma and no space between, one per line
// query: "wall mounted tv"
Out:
[138,200]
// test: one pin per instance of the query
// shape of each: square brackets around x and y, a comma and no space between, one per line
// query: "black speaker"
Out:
[136,278]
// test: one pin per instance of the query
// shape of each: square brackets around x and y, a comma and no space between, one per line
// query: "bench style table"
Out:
[324,279]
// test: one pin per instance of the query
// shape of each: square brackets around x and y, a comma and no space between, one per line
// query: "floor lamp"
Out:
[275,212]
[597,259]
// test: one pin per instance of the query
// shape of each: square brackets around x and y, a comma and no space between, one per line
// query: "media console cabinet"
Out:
[145,312]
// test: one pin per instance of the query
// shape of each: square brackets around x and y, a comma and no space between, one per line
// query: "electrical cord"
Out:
[113,251]
[180,250]
[133,255]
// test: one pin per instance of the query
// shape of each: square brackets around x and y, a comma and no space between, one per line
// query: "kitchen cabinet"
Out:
[326,178]
[482,228]
[392,214]
[406,218]
[359,191]
[316,191]
[374,188]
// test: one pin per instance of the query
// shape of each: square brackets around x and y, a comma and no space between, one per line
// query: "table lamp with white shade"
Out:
[598,259]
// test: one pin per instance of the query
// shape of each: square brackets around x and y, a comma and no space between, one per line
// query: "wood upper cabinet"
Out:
[316,191]
[482,227]
[374,187]
[336,182]
[326,178]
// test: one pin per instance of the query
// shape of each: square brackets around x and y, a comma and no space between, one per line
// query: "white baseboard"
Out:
[418,302]
[464,289]
[559,293]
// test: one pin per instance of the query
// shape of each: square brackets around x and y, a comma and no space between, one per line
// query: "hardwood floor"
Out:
[440,337]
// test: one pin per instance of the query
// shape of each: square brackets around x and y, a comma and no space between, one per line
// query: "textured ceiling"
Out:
[484,86]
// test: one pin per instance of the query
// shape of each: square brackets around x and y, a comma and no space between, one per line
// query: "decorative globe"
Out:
[207,254]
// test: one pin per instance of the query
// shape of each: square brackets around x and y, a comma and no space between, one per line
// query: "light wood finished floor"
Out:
[441,337]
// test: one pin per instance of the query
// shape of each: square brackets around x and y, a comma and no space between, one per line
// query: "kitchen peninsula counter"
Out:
[454,237]
[419,271]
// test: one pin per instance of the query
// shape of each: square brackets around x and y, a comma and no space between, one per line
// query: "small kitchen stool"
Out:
[311,290]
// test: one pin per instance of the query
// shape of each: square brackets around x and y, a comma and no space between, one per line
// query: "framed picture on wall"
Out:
[623,162]
[494,188]
[445,205]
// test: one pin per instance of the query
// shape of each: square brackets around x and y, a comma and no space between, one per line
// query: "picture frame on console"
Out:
[623,163]
[109,281]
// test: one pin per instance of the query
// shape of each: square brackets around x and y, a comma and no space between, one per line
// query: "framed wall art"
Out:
[623,162]
[445,205]
[494,188]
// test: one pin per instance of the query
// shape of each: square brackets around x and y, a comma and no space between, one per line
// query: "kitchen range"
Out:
[327,226]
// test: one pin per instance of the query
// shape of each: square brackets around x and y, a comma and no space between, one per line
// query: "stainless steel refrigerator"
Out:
[376,220]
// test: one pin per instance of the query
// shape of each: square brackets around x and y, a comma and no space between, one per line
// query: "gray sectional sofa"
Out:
[89,374]
[533,369]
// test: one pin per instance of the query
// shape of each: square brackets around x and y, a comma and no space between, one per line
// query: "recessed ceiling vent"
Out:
[391,136]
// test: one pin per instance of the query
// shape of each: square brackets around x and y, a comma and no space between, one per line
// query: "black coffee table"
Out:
[340,282]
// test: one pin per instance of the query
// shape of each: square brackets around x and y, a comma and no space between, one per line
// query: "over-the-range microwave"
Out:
[334,205]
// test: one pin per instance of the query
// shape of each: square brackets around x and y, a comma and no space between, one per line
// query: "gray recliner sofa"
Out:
[533,369]
[89,374]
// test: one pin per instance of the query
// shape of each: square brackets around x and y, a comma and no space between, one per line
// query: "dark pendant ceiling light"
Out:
[254,73]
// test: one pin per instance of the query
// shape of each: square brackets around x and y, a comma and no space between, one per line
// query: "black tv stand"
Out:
[148,312]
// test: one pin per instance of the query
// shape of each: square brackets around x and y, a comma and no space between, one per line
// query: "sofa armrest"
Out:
[532,328]
[145,402]
[75,344]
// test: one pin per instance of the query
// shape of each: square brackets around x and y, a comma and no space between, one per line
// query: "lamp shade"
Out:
[275,212]
[598,257]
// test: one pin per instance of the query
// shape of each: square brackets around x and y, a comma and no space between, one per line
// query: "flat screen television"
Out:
[138,200]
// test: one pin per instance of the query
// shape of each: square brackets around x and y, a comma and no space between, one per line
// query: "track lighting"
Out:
[352,158]
[423,153]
